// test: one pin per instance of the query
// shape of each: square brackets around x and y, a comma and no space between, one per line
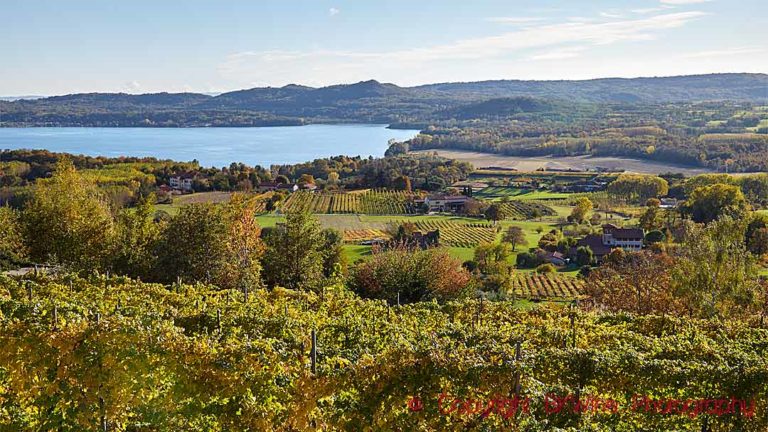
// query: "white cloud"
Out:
[473,58]
[559,54]
[610,15]
[683,2]
[334,11]
[725,52]
[644,11]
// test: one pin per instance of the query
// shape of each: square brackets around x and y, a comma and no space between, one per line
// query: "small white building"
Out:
[182,182]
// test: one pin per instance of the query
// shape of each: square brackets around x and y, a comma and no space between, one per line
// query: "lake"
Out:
[212,146]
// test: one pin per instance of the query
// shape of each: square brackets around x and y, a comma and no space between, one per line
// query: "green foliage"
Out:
[294,257]
[715,274]
[12,247]
[584,256]
[708,203]
[638,188]
[68,221]
[491,256]
[655,236]
[546,268]
[137,238]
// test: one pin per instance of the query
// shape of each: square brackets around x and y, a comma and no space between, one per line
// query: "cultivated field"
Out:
[481,160]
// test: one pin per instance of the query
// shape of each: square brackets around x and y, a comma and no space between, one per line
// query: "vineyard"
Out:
[120,355]
[359,235]
[372,202]
[460,234]
[525,210]
[541,286]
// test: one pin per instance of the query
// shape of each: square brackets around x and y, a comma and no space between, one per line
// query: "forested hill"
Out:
[368,101]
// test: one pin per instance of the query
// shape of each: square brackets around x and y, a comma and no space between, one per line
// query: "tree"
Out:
[638,187]
[194,245]
[495,213]
[334,260]
[333,178]
[584,256]
[402,183]
[281,179]
[639,282]
[709,203]
[306,179]
[136,240]
[244,247]
[294,256]
[489,256]
[527,260]
[655,236]
[12,247]
[653,217]
[755,188]
[515,236]
[581,209]
[416,275]
[714,273]
[757,235]
[68,220]
[546,268]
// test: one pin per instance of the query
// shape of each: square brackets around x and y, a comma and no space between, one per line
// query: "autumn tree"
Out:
[402,183]
[413,275]
[638,187]
[581,209]
[653,217]
[639,282]
[708,203]
[68,220]
[244,247]
[489,256]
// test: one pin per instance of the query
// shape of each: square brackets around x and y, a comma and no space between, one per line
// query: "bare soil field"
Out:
[582,163]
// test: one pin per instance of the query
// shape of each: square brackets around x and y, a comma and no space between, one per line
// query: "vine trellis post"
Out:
[313,352]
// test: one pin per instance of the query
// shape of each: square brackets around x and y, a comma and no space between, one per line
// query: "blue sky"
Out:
[65,46]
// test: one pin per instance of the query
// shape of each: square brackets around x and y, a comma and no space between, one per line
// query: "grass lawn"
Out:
[493,192]
[356,252]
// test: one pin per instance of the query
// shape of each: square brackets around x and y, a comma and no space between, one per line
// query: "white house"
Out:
[629,239]
[182,181]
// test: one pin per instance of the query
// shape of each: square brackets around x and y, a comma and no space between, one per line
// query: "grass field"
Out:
[495,192]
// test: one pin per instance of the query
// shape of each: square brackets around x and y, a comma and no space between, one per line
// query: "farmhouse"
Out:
[182,181]
[443,203]
[629,239]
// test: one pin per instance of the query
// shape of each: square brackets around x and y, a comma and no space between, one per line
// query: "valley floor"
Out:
[520,163]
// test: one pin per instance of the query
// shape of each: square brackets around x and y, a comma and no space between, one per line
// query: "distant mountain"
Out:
[501,107]
[688,88]
[371,101]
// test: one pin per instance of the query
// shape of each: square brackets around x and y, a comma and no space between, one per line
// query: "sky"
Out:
[52,47]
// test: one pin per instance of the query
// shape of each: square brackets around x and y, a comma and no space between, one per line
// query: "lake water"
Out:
[212,146]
